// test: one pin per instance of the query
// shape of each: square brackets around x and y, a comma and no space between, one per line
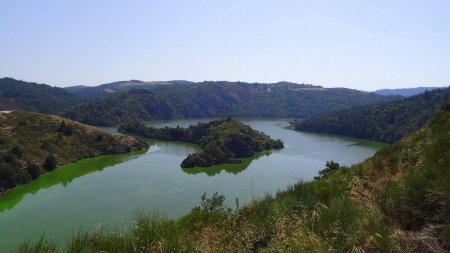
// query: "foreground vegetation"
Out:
[33,143]
[222,141]
[396,201]
[388,122]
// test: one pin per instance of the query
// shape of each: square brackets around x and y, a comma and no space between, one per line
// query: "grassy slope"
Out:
[396,201]
[30,137]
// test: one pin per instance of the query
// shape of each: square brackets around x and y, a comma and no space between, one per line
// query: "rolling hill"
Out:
[17,94]
[102,90]
[33,143]
[219,99]
[387,122]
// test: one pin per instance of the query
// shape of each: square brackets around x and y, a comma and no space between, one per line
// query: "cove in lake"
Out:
[106,190]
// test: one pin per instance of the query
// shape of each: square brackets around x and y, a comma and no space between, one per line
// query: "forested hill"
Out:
[33,143]
[90,92]
[125,86]
[220,99]
[387,122]
[16,94]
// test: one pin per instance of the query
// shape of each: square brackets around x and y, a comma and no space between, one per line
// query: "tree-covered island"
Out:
[222,141]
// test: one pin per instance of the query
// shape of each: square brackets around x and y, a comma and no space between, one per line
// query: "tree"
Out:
[8,158]
[33,170]
[65,129]
[99,138]
[330,167]
[50,163]
[17,151]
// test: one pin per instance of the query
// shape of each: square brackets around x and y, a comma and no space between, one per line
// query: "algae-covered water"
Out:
[105,190]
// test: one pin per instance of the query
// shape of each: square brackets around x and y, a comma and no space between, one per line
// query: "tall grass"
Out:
[318,212]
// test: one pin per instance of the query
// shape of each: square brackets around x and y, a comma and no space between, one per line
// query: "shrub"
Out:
[50,163]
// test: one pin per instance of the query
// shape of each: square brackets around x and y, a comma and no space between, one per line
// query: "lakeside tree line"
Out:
[386,122]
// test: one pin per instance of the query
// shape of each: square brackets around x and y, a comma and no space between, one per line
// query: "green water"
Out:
[105,190]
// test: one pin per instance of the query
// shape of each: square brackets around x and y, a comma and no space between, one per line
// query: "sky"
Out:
[357,44]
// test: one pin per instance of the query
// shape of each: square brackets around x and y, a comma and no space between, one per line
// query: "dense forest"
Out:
[16,94]
[33,143]
[219,99]
[396,201]
[387,122]
[222,141]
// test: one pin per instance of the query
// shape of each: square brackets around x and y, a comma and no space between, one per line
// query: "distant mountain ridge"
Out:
[112,103]
[217,99]
[405,92]
[90,92]
[125,86]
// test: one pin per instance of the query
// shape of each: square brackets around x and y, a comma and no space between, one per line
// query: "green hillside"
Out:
[387,122]
[17,94]
[396,201]
[33,143]
[219,99]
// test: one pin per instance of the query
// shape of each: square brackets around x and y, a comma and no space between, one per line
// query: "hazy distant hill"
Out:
[120,86]
[406,92]
[216,99]
[17,94]
[387,122]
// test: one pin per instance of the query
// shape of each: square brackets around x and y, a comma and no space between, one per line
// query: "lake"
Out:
[106,190]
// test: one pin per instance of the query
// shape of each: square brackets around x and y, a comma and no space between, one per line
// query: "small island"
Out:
[222,141]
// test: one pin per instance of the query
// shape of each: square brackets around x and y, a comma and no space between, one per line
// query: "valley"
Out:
[108,189]
[231,126]
[270,163]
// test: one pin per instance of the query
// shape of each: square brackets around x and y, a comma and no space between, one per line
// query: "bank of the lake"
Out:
[105,190]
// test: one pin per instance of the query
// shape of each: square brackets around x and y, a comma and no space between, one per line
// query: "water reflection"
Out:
[64,176]
[231,168]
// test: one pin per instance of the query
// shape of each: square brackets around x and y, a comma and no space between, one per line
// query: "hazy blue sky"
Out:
[358,44]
